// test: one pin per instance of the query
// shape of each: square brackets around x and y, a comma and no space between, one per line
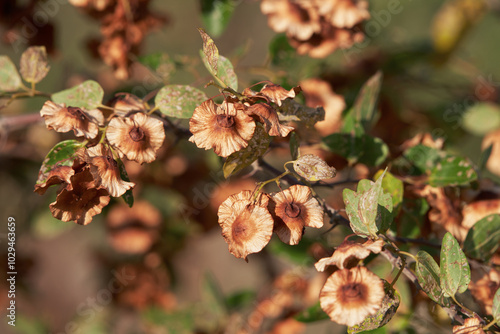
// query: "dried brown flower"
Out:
[63,119]
[247,226]
[349,250]
[80,200]
[225,128]
[268,116]
[105,170]
[296,209]
[123,103]
[137,137]
[470,326]
[350,295]
[343,13]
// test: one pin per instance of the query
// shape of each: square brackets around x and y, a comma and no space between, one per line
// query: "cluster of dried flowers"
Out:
[92,174]
[228,127]
[317,27]
[352,292]
[248,220]
[124,24]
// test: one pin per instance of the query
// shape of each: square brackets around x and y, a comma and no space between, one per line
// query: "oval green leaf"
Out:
[371,151]
[62,154]
[257,146]
[179,101]
[394,187]
[427,271]
[483,239]
[10,80]
[455,271]
[452,171]
[33,64]
[87,95]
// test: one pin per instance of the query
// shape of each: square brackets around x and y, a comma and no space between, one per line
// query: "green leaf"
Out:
[455,270]
[483,239]
[312,314]
[481,118]
[210,52]
[240,299]
[394,187]
[225,71]
[179,101]
[313,168]
[363,110]
[257,146]
[62,154]
[294,145]
[423,158]
[413,217]
[160,63]
[369,210]
[128,197]
[452,171]
[427,271]
[291,110]
[495,311]
[87,95]
[216,15]
[33,64]
[10,81]
[363,149]
[387,310]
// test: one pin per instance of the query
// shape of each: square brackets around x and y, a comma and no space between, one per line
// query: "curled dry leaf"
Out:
[268,116]
[349,252]
[313,168]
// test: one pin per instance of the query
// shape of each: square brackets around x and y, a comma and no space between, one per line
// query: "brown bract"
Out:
[276,93]
[247,226]
[225,128]
[349,250]
[58,175]
[470,326]
[350,295]
[80,200]
[296,209]
[105,170]
[63,119]
[123,103]
[268,116]
[137,137]
[318,93]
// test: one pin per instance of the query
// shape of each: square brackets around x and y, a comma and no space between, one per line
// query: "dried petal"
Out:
[349,250]
[268,116]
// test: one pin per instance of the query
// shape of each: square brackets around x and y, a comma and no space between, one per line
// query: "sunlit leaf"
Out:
[455,271]
[210,51]
[33,64]
[393,186]
[384,314]
[452,171]
[427,271]
[257,146]
[313,168]
[216,15]
[179,101]
[10,80]
[87,95]
[422,158]
[483,239]
[495,311]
